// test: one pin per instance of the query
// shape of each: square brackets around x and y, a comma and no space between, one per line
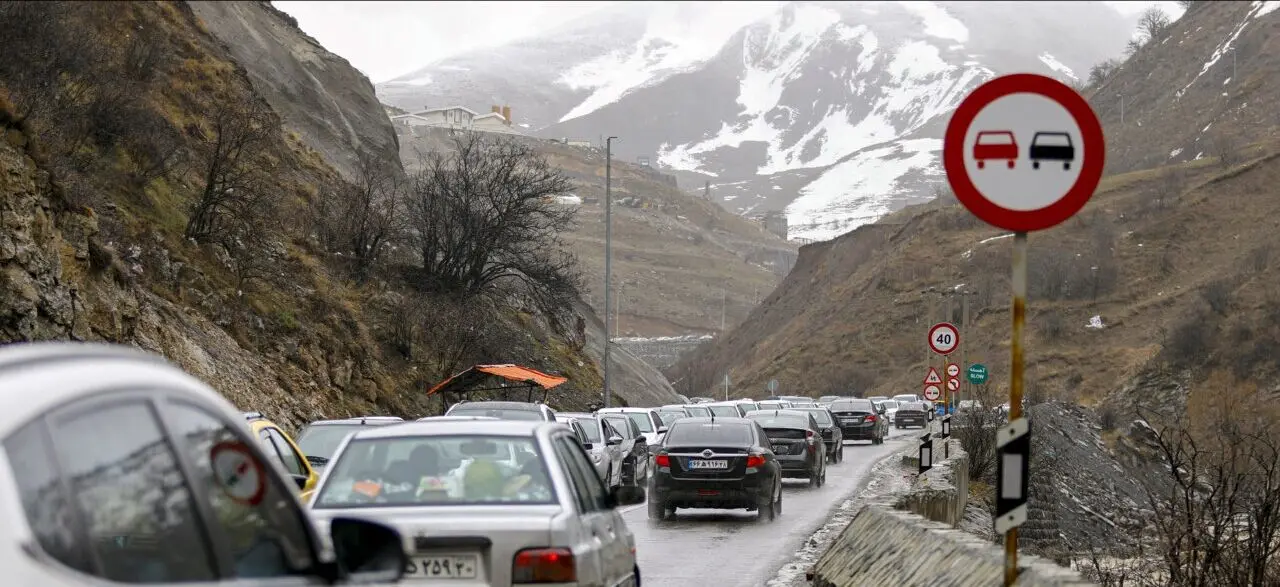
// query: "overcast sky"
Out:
[388,39]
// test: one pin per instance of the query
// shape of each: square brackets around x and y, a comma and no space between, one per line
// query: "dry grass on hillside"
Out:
[1186,259]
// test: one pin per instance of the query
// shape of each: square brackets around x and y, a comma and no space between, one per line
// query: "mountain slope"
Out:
[1176,264]
[838,105]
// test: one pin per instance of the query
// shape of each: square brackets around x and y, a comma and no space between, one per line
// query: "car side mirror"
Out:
[615,439]
[367,552]
[662,430]
[626,496]
[301,481]
[586,445]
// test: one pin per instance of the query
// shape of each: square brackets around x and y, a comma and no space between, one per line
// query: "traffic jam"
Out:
[128,469]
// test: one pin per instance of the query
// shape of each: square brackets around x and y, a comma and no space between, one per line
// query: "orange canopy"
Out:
[466,379]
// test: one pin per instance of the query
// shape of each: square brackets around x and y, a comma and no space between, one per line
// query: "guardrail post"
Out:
[926,453]
[946,436]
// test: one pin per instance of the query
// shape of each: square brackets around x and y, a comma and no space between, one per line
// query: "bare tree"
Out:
[235,169]
[484,218]
[1153,24]
[364,217]
[975,427]
[1100,72]
[438,332]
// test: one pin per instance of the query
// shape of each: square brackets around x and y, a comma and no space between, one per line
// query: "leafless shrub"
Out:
[1259,259]
[976,428]
[484,219]
[1107,417]
[1153,24]
[1052,325]
[1189,342]
[235,167]
[364,218]
[438,333]
[1218,295]
[1100,72]
[1225,146]
[144,54]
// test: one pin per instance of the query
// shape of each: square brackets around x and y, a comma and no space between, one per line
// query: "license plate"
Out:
[459,566]
[706,464]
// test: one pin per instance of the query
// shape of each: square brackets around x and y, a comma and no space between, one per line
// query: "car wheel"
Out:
[636,571]
[840,455]
[823,479]
[777,502]
[814,480]
[768,511]
[657,510]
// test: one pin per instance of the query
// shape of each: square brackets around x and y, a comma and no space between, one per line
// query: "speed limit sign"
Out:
[944,337]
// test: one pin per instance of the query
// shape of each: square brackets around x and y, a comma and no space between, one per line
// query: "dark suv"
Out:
[860,420]
[504,410]
[718,463]
[831,434]
[797,443]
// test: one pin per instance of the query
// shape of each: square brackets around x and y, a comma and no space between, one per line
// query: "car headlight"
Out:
[595,457]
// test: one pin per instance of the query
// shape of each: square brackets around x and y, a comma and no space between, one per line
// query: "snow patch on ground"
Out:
[1175,153]
[1052,63]
[1267,7]
[570,200]
[859,190]
[994,238]
[1258,9]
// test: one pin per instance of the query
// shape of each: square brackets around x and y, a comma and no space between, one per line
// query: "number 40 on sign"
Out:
[944,337]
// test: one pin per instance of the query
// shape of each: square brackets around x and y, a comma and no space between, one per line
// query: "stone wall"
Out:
[910,539]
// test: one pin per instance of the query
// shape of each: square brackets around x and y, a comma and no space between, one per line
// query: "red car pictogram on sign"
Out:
[995,144]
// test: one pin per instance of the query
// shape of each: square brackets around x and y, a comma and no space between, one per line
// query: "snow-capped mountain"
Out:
[833,111]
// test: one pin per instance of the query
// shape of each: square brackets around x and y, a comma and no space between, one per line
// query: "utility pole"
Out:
[724,300]
[964,350]
[948,399]
[617,316]
[608,254]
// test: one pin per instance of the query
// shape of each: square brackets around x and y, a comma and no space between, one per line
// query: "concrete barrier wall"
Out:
[909,539]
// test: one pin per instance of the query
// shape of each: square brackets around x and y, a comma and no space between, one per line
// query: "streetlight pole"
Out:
[608,254]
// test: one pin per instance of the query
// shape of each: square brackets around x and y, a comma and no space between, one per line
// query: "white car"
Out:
[890,409]
[123,469]
[486,503]
[646,419]
[912,398]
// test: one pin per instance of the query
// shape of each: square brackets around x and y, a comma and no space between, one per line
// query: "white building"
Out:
[455,117]
[491,122]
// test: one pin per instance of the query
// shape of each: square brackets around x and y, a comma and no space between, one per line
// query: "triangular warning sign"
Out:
[932,377]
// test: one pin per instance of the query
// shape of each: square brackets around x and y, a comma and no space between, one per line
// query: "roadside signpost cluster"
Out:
[1047,153]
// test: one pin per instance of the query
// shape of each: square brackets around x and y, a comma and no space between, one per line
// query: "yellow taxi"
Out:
[277,444]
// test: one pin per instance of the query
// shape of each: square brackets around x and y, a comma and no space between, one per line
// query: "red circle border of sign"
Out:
[241,448]
[926,388]
[1024,220]
[935,329]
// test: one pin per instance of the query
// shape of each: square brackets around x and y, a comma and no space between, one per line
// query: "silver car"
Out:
[602,443]
[485,503]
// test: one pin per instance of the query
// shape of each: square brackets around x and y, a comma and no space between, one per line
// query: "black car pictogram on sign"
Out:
[1051,146]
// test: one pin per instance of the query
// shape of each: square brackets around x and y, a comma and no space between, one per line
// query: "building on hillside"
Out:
[457,118]
[774,221]
[583,144]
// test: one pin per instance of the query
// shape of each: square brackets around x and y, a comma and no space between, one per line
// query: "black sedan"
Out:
[831,434]
[912,414]
[860,420]
[796,443]
[718,463]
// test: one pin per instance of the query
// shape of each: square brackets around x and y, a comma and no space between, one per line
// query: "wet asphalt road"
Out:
[704,548]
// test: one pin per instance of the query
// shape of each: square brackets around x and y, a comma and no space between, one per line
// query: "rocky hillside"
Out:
[678,259]
[104,172]
[832,111]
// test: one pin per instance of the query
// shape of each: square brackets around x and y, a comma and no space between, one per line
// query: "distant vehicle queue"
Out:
[247,500]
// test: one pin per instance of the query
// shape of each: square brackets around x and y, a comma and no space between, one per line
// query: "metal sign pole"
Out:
[1019,284]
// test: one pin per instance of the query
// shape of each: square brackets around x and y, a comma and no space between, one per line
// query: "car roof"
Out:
[717,420]
[455,418]
[67,371]
[622,410]
[500,405]
[448,428]
[574,415]
[360,420]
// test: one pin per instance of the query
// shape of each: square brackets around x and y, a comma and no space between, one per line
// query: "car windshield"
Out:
[642,421]
[322,440]
[502,414]
[704,433]
[821,416]
[726,411]
[590,427]
[437,471]
[770,405]
[904,398]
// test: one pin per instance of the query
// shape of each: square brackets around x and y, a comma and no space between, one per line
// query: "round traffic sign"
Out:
[953,370]
[953,385]
[235,470]
[944,338]
[932,393]
[1023,152]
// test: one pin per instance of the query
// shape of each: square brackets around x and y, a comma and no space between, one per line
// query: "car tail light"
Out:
[871,418]
[755,461]
[662,460]
[544,565]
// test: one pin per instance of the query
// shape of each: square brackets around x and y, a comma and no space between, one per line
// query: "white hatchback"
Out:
[116,468]
[646,419]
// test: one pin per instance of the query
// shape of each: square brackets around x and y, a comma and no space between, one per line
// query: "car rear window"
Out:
[669,417]
[499,413]
[851,406]
[821,416]
[718,433]
[767,420]
[437,471]
[698,411]
[726,411]
[590,427]
[323,440]
[912,407]
[642,421]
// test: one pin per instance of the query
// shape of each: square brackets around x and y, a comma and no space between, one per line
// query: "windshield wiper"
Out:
[317,461]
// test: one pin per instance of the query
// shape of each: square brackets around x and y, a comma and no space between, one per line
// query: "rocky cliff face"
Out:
[319,95]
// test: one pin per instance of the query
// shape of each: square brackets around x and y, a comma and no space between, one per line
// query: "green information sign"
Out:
[977,374]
